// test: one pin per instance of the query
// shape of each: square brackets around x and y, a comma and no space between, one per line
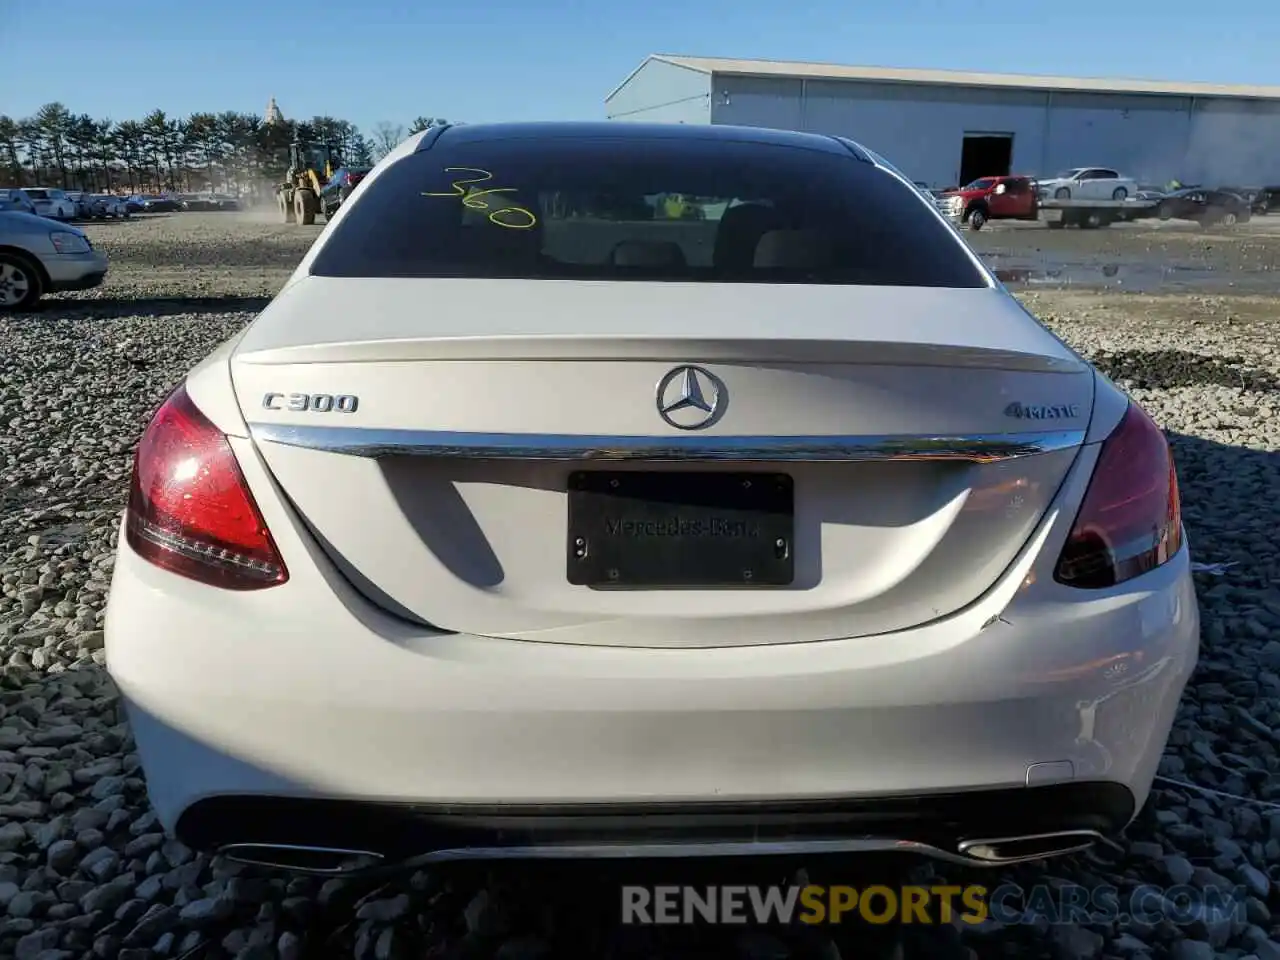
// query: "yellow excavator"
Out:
[310,167]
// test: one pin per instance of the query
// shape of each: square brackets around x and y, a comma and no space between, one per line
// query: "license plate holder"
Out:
[680,530]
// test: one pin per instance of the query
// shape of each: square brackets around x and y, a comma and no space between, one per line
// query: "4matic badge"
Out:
[1025,411]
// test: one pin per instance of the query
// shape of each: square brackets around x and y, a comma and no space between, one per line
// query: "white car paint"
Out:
[1090,183]
[428,648]
[52,202]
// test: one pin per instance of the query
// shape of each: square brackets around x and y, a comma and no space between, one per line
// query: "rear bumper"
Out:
[245,705]
[427,740]
[937,825]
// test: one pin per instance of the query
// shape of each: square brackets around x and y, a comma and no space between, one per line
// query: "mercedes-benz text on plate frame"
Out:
[691,398]
[657,530]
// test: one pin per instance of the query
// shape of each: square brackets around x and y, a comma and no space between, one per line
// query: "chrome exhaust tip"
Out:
[319,860]
[1034,846]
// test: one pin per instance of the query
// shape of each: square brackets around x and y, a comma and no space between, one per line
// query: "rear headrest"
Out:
[793,249]
[740,229]
[648,253]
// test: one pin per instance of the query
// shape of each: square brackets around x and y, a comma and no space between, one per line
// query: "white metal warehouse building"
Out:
[945,128]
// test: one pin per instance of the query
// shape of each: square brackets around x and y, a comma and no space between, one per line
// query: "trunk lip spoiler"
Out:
[372,442]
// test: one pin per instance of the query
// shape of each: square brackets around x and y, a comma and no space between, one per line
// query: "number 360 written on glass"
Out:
[513,218]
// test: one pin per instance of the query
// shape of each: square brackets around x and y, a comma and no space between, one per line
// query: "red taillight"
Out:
[190,510]
[1131,519]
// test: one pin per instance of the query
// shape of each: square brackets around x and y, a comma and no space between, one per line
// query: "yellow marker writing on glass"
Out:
[513,218]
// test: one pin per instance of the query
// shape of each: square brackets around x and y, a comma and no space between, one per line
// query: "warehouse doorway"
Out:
[985,155]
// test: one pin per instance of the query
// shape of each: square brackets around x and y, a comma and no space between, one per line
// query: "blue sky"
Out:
[373,60]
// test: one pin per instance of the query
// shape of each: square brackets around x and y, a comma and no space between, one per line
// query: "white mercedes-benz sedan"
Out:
[611,489]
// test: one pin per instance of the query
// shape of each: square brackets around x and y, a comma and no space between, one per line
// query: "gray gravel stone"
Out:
[1192,950]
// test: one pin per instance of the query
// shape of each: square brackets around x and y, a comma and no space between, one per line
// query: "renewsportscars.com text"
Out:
[1007,904]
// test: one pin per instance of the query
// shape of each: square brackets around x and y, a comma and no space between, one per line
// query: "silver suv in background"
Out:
[39,256]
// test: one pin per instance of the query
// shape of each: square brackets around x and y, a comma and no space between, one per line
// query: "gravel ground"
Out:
[85,872]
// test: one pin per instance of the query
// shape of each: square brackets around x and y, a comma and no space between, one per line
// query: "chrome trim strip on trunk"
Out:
[374,442]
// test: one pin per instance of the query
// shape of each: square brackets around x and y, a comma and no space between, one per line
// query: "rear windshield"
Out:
[653,209]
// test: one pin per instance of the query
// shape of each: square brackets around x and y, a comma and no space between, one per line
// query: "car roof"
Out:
[637,133]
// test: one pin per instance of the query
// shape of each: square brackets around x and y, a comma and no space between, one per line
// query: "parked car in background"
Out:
[39,256]
[335,192]
[15,198]
[1247,194]
[1088,183]
[993,198]
[208,202]
[1265,200]
[52,202]
[1205,207]
[112,207]
[161,204]
[83,202]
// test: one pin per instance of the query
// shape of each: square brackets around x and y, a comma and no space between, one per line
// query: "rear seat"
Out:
[794,250]
[647,253]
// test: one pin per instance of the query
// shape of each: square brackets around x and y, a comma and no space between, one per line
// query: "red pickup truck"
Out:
[993,198]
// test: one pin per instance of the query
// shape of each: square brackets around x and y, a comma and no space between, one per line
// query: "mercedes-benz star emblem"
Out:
[690,397]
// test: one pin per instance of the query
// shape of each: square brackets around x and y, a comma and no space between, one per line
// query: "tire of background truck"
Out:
[1165,211]
[1119,193]
[1062,193]
[1228,219]
[20,282]
[977,218]
[1095,220]
[284,202]
[1054,224]
[304,207]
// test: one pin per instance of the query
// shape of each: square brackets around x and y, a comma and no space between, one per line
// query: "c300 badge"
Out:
[311,402]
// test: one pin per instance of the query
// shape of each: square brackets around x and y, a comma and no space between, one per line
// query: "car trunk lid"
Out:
[443,439]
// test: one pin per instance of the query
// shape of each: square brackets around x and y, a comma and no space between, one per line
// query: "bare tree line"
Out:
[226,151]
[387,136]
